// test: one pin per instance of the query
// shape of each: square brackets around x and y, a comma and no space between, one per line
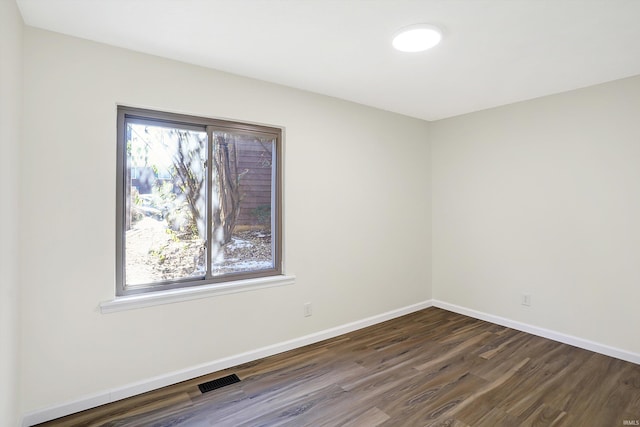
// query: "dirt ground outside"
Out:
[154,253]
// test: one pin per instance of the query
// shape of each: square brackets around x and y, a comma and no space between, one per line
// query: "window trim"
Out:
[151,299]
[208,125]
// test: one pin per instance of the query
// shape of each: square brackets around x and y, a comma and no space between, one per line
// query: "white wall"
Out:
[539,197]
[357,218]
[10,116]
[543,197]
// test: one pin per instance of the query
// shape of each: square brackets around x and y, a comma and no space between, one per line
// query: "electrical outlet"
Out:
[526,300]
[307,309]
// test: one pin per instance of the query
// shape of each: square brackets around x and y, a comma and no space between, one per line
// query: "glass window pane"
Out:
[242,205]
[165,206]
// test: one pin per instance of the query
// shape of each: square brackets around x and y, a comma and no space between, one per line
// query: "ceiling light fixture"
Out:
[417,38]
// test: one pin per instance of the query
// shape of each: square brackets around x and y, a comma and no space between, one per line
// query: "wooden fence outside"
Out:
[254,162]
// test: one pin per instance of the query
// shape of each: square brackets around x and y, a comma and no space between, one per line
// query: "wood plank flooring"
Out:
[429,368]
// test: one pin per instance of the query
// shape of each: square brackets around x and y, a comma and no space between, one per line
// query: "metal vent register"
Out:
[218,383]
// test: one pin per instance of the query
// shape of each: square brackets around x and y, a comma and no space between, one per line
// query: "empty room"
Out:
[320,213]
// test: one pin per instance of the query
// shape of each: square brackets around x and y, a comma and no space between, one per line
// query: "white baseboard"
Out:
[542,332]
[133,389]
[144,386]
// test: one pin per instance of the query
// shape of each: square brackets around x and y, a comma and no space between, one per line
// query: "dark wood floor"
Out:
[430,368]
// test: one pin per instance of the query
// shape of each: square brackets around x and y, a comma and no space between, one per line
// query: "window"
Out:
[199,201]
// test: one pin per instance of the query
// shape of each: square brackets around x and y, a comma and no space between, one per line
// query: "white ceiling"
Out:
[494,52]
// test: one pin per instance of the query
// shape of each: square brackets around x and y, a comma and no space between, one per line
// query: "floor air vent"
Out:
[219,383]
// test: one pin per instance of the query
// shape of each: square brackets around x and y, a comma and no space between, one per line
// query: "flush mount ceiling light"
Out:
[417,38]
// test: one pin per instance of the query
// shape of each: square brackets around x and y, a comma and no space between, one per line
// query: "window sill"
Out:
[185,294]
